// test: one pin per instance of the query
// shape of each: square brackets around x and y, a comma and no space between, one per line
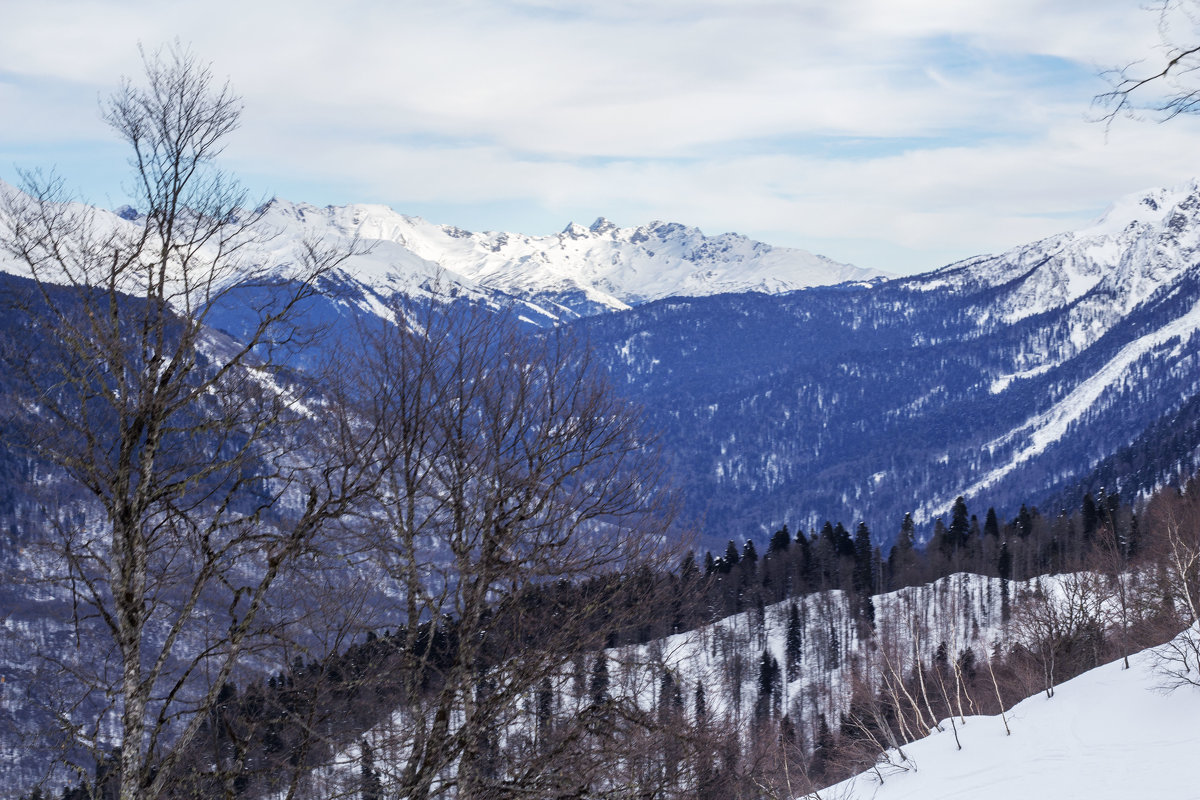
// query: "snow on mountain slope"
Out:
[1143,242]
[1050,426]
[577,272]
[605,266]
[1108,734]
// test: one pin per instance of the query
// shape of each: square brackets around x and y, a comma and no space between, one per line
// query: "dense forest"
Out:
[1070,592]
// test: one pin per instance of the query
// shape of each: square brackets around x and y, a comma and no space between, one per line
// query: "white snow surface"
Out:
[614,267]
[1108,734]
[602,266]
[1141,244]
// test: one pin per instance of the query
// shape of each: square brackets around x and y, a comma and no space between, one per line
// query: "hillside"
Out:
[1108,734]
[1062,366]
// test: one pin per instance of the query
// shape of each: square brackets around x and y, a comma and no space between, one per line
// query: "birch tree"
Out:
[208,479]
[521,514]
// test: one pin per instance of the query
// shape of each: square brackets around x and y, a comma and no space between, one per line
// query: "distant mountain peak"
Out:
[577,272]
[602,225]
[1150,206]
[576,231]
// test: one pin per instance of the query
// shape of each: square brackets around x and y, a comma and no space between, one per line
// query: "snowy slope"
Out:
[584,269]
[1008,379]
[577,272]
[963,610]
[1109,734]
[1141,244]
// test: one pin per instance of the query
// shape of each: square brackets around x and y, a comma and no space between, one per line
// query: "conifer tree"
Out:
[845,543]
[991,526]
[1024,522]
[731,556]
[749,555]
[834,660]
[1004,564]
[862,560]
[599,685]
[960,526]
[823,746]
[794,644]
[902,558]
[780,541]
[1089,517]
[770,685]
[941,539]
[370,787]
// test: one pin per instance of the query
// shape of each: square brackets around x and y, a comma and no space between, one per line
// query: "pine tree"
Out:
[749,555]
[960,526]
[688,569]
[862,560]
[902,558]
[942,540]
[794,645]
[667,697]
[599,685]
[731,556]
[1131,538]
[823,747]
[780,541]
[1004,564]
[1024,522]
[1089,516]
[545,713]
[991,526]
[370,787]
[845,543]
[770,685]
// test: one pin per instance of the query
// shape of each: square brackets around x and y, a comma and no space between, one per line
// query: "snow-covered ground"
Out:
[1108,734]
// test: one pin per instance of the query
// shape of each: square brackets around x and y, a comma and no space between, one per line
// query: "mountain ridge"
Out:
[611,267]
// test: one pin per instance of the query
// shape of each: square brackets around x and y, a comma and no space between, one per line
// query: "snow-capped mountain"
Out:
[555,278]
[574,273]
[1028,376]
[1143,242]
[1064,364]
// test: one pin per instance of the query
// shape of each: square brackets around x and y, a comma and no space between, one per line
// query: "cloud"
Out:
[925,126]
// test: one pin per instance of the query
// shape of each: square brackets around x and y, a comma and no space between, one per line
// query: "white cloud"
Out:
[929,126]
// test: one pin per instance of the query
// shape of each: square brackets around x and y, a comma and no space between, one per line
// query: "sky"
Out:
[897,135]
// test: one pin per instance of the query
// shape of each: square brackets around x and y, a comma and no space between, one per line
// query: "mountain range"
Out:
[784,387]
[1058,367]
[789,388]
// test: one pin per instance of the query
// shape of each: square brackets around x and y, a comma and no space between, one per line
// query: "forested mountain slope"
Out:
[1008,379]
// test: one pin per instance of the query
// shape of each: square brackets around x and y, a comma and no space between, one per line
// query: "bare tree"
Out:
[208,478]
[1166,86]
[1062,619]
[520,525]
[1174,528]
